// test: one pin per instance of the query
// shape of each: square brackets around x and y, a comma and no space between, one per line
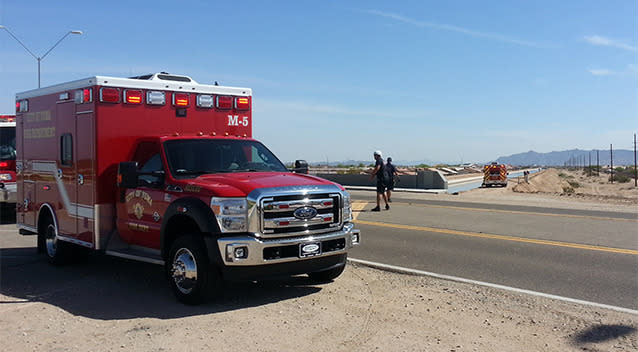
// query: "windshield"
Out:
[191,158]
[7,143]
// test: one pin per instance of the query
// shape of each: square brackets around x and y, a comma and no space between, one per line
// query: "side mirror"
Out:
[301,167]
[127,174]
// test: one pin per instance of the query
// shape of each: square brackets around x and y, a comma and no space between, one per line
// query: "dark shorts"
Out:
[380,187]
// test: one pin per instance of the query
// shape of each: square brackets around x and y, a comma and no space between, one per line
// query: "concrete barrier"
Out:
[422,180]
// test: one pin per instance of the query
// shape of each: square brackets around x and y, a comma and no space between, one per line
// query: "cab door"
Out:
[140,219]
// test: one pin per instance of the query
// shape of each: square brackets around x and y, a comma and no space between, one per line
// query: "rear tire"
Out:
[328,275]
[192,277]
[58,252]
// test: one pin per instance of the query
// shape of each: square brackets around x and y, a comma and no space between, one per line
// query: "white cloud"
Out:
[604,41]
[452,28]
[601,72]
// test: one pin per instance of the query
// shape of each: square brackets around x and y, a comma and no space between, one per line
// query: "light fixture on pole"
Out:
[39,58]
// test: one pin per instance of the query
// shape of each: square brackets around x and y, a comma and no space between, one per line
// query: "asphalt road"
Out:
[580,254]
[586,255]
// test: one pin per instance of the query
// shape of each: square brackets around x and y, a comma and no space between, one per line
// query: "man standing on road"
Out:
[393,176]
[379,172]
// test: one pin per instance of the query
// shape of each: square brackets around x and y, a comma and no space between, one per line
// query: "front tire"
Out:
[190,273]
[328,275]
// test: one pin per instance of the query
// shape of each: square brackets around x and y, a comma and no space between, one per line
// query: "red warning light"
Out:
[87,95]
[109,95]
[224,102]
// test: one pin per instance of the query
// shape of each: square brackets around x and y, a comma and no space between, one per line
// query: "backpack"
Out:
[386,175]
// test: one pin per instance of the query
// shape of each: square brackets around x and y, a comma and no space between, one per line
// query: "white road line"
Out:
[403,270]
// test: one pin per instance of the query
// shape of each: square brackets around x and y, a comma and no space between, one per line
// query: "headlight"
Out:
[5,177]
[347,207]
[230,213]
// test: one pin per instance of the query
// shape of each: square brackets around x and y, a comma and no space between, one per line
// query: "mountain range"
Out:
[569,157]
[557,158]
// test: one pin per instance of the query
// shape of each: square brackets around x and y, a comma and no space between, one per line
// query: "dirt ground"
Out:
[560,188]
[110,304]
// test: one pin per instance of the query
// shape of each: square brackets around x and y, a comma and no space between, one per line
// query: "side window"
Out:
[149,161]
[66,149]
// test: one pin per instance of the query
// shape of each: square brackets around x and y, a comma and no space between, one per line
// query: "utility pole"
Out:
[597,163]
[589,173]
[611,158]
[635,169]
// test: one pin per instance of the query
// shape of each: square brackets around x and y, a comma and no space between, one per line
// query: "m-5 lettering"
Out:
[234,120]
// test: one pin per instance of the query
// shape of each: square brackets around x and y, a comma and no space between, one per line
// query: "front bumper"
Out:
[255,251]
[8,192]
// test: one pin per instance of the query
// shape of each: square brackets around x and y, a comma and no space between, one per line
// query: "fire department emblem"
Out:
[138,210]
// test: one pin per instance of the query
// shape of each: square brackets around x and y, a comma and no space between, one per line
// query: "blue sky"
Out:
[443,81]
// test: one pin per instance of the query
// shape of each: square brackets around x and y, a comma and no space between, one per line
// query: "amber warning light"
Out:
[133,96]
[242,103]
[180,99]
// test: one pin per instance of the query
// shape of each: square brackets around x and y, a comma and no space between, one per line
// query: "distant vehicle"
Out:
[164,170]
[7,160]
[494,174]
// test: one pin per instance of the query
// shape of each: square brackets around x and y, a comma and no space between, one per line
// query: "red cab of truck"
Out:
[162,169]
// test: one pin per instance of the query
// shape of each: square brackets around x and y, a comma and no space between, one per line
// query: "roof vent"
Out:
[164,76]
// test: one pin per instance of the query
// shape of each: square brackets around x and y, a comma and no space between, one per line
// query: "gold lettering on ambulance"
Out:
[137,227]
[38,116]
[192,189]
[139,194]
[38,133]
[130,196]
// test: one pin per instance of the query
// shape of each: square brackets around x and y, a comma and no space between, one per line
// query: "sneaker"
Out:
[387,207]
[376,208]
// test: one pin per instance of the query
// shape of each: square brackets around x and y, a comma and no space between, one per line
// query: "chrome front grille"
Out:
[279,219]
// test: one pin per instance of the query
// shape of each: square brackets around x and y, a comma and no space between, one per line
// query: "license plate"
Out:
[309,249]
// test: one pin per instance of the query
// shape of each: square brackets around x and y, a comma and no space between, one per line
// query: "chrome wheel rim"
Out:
[184,271]
[51,240]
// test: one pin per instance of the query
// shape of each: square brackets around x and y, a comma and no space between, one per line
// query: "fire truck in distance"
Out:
[7,162]
[161,169]
[494,174]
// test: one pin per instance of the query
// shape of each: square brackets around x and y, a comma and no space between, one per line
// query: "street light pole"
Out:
[39,58]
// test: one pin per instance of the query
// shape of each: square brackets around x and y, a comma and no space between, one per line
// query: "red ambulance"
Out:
[161,169]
